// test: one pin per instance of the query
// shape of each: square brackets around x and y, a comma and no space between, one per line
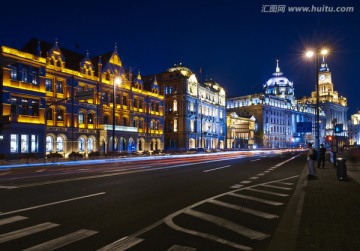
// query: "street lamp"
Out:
[117,81]
[311,54]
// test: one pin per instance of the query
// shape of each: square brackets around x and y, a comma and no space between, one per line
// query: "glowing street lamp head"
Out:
[118,80]
[324,51]
[310,54]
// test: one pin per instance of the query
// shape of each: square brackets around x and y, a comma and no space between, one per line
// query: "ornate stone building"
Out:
[194,112]
[240,131]
[281,121]
[57,100]
[354,129]
[334,105]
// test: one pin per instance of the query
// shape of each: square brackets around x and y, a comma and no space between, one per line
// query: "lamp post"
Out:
[117,81]
[310,54]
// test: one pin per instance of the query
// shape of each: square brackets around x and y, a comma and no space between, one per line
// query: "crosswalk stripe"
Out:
[236,186]
[62,241]
[286,183]
[247,197]
[267,192]
[245,182]
[180,248]
[244,209]
[247,232]
[12,219]
[26,231]
[277,187]
[122,244]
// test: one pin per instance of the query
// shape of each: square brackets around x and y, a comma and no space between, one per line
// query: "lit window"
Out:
[34,143]
[81,117]
[81,144]
[35,80]
[90,144]
[59,144]
[59,115]
[90,118]
[48,85]
[175,105]
[192,125]
[59,87]
[49,144]
[13,143]
[175,125]
[13,73]
[24,143]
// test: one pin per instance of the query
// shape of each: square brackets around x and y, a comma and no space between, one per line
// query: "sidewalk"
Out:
[330,218]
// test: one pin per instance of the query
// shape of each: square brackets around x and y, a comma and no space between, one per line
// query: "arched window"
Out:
[81,144]
[124,120]
[106,119]
[90,144]
[59,144]
[49,144]
[81,117]
[59,114]
[90,118]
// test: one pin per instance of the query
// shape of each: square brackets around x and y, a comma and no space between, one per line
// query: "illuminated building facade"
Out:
[56,100]
[240,131]
[278,114]
[334,106]
[354,129]
[195,113]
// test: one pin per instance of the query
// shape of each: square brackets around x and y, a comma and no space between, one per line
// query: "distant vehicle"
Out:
[195,150]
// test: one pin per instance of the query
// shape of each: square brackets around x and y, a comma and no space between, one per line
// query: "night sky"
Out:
[235,43]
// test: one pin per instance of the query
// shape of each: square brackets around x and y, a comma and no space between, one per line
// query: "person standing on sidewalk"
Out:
[322,156]
[310,161]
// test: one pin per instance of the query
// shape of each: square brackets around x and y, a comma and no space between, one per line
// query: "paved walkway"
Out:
[330,218]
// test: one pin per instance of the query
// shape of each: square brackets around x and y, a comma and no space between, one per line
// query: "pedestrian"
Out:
[310,161]
[322,156]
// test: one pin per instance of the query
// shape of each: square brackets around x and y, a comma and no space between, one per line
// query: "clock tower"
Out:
[326,87]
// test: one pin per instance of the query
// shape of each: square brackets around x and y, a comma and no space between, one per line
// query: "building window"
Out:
[34,143]
[59,87]
[105,97]
[141,123]
[14,105]
[49,114]
[90,144]
[24,143]
[13,73]
[48,85]
[59,115]
[106,119]
[35,108]
[35,79]
[81,144]
[90,118]
[141,103]
[13,143]
[49,144]
[124,100]
[191,107]
[81,117]
[25,74]
[192,125]
[59,144]
[24,106]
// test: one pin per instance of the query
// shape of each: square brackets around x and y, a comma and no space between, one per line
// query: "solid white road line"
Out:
[286,183]
[180,248]
[8,187]
[40,171]
[12,219]
[247,197]
[267,192]
[210,170]
[122,244]
[26,231]
[224,223]
[62,241]
[277,187]
[244,209]
[52,203]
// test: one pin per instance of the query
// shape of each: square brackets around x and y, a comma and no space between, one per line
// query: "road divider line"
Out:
[12,219]
[244,209]
[1,174]
[248,197]
[122,244]
[214,169]
[51,204]
[26,231]
[62,241]
[180,248]
[40,171]
[267,192]
[229,225]
[8,187]
[277,187]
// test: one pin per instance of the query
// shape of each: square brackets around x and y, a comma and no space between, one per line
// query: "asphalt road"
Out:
[201,202]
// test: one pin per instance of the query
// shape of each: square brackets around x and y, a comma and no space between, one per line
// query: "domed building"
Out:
[282,122]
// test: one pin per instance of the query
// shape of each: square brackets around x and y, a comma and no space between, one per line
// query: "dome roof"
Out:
[278,78]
